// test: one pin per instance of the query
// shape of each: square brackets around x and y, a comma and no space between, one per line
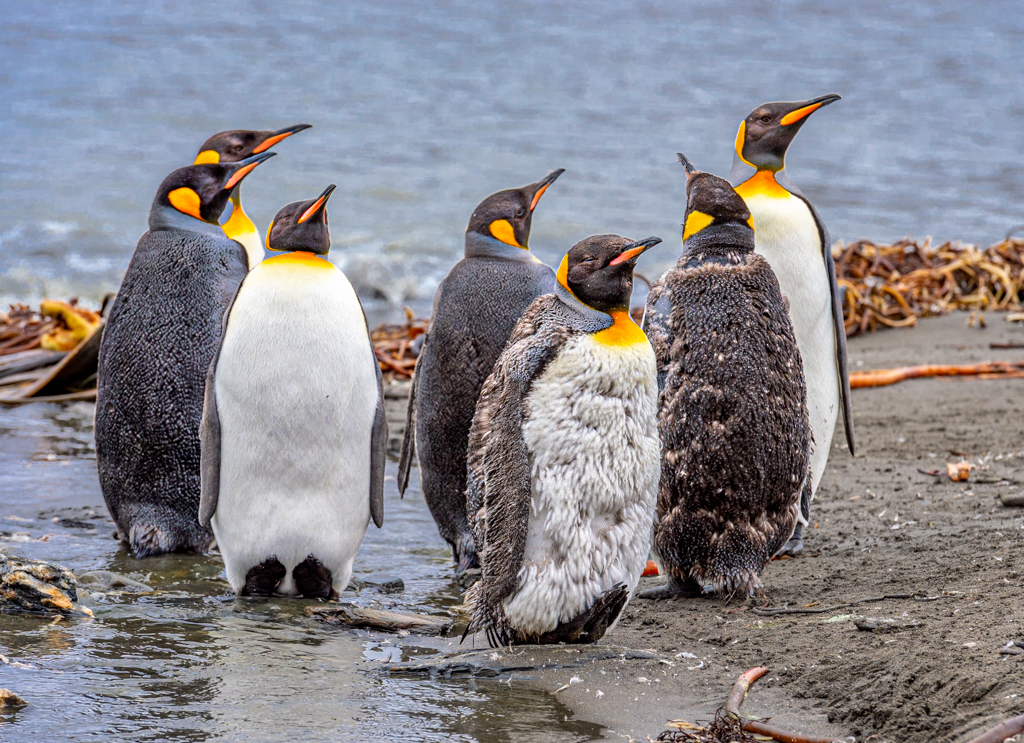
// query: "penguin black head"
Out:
[711,200]
[598,270]
[238,144]
[202,191]
[764,135]
[507,215]
[302,225]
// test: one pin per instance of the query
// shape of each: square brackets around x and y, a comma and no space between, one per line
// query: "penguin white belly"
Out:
[591,433]
[296,395]
[786,234]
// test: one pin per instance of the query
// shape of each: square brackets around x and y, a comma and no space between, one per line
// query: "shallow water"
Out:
[422,110]
[191,662]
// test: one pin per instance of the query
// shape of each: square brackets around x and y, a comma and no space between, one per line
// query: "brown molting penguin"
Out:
[564,458]
[732,403]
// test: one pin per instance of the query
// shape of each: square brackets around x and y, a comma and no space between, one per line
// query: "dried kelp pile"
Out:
[893,285]
[395,347]
[723,729]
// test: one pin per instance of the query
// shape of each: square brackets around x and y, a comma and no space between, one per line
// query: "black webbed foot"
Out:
[795,545]
[313,579]
[676,588]
[263,579]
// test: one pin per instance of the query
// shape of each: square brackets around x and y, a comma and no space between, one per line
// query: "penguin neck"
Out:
[718,240]
[241,229]
[482,246]
[601,320]
[767,183]
[163,217]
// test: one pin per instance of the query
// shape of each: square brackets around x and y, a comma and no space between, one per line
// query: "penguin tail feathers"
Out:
[722,556]
[146,538]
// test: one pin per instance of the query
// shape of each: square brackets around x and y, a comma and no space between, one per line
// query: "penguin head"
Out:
[238,144]
[598,270]
[711,200]
[202,191]
[766,133]
[302,225]
[507,215]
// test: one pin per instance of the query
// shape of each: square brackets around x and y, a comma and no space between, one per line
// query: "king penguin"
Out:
[162,332]
[294,437]
[791,235]
[732,411]
[475,309]
[230,147]
[564,458]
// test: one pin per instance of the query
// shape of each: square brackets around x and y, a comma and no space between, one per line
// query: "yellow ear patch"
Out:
[503,231]
[207,157]
[741,138]
[186,201]
[562,274]
[270,227]
[695,223]
[751,221]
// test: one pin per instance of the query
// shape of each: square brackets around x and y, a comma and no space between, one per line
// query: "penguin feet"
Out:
[795,545]
[313,580]
[263,579]
[590,625]
[675,588]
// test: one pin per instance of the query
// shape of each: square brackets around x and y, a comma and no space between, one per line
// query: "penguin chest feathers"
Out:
[591,432]
[786,234]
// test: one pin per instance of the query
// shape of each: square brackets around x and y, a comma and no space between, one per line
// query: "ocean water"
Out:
[421,110]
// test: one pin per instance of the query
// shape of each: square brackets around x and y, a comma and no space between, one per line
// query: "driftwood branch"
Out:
[771,611]
[884,377]
[388,621]
[739,693]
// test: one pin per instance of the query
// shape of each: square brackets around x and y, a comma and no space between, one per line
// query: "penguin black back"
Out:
[732,409]
[476,308]
[162,332]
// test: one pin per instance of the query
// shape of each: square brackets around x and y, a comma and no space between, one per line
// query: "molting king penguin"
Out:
[293,434]
[230,147]
[475,310]
[564,458]
[163,330]
[732,412]
[791,235]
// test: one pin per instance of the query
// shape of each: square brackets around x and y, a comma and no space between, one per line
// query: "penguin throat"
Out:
[623,331]
[168,218]
[762,183]
[239,223]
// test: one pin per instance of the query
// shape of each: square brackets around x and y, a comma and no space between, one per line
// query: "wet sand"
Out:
[880,527]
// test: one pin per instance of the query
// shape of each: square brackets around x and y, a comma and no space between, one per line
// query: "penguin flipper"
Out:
[409,434]
[378,452]
[378,438]
[656,327]
[209,431]
[498,458]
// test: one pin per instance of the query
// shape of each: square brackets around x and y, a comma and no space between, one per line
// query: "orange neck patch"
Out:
[762,183]
[299,258]
[623,332]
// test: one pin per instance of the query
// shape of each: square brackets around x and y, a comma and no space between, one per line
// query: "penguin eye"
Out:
[766,119]
[520,213]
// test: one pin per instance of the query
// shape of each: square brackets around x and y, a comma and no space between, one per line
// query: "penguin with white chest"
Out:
[732,412]
[293,435]
[564,458]
[797,244]
[163,329]
[232,146]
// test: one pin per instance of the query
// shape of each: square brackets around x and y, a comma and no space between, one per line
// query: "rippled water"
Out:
[420,110]
[191,662]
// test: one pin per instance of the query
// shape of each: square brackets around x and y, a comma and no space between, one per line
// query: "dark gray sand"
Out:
[878,527]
